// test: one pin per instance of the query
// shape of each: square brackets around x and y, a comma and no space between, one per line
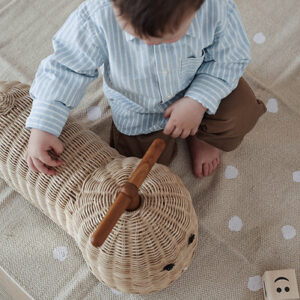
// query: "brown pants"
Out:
[236,116]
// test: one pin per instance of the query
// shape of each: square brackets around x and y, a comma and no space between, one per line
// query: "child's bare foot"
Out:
[205,157]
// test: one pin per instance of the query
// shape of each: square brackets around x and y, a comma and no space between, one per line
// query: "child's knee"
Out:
[248,116]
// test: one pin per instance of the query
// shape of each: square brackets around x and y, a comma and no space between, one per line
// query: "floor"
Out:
[10,290]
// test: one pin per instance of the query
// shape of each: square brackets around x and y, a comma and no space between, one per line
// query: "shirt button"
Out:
[165,72]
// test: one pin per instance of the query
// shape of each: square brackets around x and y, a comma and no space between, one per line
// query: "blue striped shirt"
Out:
[140,81]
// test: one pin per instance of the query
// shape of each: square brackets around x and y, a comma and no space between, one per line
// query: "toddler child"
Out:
[170,69]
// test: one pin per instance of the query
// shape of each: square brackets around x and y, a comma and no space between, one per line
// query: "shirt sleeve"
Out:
[62,78]
[224,62]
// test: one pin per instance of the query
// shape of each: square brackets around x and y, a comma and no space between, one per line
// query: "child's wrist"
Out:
[203,108]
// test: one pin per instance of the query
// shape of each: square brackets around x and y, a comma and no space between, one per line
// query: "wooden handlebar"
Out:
[128,198]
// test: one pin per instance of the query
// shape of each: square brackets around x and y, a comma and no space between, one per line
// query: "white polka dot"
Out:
[288,232]
[259,38]
[231,172]
[94,113]
[272,105]
[296,176]
[116,292]
[255,283]
[60,253]
[235,224]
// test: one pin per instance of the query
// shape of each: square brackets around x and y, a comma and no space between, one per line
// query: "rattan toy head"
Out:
[148,248]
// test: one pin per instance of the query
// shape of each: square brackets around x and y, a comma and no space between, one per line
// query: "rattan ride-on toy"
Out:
[137,232]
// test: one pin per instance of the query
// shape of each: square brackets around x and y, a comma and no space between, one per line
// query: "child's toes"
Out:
[211,168]
[205,169]
[198,173]
[215,164]
[198,170]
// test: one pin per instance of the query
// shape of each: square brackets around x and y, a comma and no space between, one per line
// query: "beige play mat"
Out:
[248,211]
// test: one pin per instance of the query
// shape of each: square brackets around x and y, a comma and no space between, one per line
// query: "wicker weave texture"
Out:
[148,248]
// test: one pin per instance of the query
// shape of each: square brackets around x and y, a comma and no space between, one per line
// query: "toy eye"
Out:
[287,289]
[191,238]
[169,267]
[278,290]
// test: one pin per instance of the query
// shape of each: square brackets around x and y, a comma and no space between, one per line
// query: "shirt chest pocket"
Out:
[189,67]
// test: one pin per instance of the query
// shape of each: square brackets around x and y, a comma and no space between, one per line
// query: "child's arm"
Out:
[62,78]
[224,61]
[59,85]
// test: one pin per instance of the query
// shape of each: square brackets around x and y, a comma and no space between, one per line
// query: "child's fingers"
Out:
[194,131]
[31,165]
[185,133]
[169,128]
[177,132]
[167,112]
[58,148]
[49,160]
[41,167]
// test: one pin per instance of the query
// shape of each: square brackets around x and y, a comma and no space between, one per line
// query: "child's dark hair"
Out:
[155,17]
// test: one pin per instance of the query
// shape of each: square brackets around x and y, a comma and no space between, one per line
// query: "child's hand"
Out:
[185,116]
[38,155]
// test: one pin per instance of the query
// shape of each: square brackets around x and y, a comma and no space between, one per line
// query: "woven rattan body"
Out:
[148,248]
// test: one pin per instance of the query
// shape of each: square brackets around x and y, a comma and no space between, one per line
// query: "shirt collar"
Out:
[128,36]
[191,31]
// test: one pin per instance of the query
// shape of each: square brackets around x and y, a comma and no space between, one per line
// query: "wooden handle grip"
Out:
[128,191]
[149,159]
[128,198]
